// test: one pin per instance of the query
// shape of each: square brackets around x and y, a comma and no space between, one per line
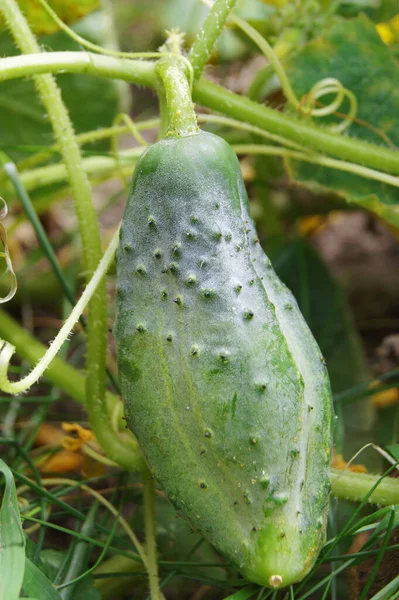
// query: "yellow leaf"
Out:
[69,11]
[63,461]
[384,398]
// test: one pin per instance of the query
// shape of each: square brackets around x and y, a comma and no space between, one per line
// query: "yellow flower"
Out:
[389,31]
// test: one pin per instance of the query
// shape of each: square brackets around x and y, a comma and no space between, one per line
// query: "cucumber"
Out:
[223,383]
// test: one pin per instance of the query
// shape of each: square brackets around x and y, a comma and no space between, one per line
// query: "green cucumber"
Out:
[223,383]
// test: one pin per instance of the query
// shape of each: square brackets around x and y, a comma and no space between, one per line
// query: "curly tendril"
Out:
[5,254]
[307,105]
[7,350]
[330,85]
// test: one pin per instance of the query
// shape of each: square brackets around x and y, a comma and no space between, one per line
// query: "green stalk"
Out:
[34,63]
[223,101]
[211,96]
[92,165]
[97,310]
[42,238]
[180,107]
[81,554]
[355,486]
[150,535]
[210,31]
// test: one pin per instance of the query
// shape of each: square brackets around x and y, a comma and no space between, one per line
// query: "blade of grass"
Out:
[391,588]
[379,558]
[247,592]
[12,172]
[80,556]
[12,540]
[37,584]
[97,563]
[90,540]
[25,456]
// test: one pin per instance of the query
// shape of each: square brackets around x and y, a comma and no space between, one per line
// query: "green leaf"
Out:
[353,52]
[244,593]
[12,540]
[92,102]
[378,10]
[51,561]
[36,583]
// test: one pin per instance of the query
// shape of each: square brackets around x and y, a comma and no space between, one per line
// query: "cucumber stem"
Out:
[180,107]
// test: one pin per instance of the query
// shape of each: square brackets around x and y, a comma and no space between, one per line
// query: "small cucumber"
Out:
[223,383]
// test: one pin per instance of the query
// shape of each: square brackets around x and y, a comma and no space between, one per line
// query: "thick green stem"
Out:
[163,112]
[208,34]
[223,101]
[211,96]
[104,166]
[134,71]
[97,311]
[355,486]
[180,107]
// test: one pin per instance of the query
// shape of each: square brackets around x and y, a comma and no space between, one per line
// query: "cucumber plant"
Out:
[224,386]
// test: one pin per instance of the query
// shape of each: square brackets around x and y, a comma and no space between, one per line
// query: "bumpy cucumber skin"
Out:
[223,383]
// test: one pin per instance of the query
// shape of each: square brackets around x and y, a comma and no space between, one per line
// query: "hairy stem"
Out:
[97,314]
[316,138]
[134,71]
[211,96]
[355,486]
[180,108]
[208,34]
[97,311]
[60,373]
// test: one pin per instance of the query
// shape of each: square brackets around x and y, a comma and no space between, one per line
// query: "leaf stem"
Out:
[63,375]
[317,159]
